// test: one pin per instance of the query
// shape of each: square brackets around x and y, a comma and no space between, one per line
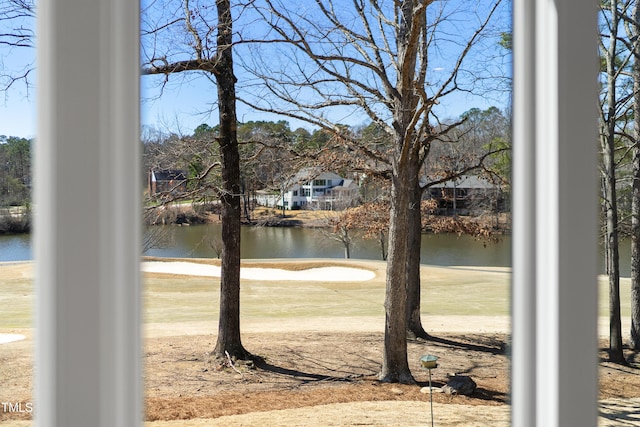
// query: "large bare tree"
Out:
[215,60]
[373,57]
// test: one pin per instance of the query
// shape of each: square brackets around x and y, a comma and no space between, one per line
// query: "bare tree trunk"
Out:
[395,366]
[284,214]
[382,239]
[245,201]
[347,244]
[635,200]
[414,322]
[613,257]
[229,322]
[635,241]
[609,194]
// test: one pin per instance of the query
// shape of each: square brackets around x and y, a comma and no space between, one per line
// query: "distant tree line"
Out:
[271,154]
[15,173]
[15,184]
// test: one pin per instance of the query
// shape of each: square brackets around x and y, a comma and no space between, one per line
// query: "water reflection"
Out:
[284,242]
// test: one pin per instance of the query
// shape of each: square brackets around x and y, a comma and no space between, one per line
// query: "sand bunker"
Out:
[6,338]
[320,274]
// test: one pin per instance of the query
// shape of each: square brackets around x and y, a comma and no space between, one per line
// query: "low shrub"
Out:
[15,224]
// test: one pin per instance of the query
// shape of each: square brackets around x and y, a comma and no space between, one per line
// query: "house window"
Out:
[295,193]
[306,192]
[319,182]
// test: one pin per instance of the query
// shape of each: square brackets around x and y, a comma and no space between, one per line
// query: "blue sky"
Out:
[183,107]
[18,117]
[18,106]
[186,103]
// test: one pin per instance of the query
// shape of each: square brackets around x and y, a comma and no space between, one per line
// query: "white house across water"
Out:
[311,190]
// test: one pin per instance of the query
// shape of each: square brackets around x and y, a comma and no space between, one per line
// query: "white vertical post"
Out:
[87,204]
[524,219]
[555,376]
[576,286]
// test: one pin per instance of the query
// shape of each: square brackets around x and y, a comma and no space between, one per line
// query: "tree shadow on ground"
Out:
[480,344]
[620,411]
[630,364]
[303,377]
[633,360]
[480,393]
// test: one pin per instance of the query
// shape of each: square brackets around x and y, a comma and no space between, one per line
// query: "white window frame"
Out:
[555,214]
[87,240]
[87,204]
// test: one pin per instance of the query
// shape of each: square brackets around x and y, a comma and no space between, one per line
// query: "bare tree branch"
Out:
[17,23]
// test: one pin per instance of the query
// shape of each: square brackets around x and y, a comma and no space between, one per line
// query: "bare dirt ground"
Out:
[313,371]
[316,378]
[310,369]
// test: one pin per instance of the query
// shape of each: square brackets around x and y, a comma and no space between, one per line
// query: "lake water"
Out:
[287,242]
[15,247]
[290,242]
[283,242]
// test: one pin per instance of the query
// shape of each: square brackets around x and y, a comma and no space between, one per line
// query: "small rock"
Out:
[425,390]
[460,384]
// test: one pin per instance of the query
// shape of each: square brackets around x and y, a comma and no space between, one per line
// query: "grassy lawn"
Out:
[625,296]
[16,295]
[445,292]
[175,299]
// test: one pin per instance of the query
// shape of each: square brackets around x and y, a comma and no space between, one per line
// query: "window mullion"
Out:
[87,215]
